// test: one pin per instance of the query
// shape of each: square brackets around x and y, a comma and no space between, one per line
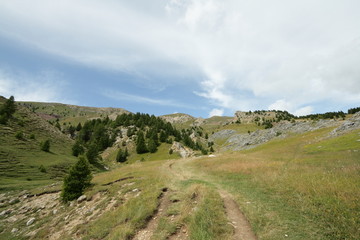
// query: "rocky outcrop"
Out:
[247,117]
[349,125]
[184,152]
[237,142]
[177,118]
[223,134]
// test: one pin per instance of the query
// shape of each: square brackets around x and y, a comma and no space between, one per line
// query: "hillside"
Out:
[224,178]
[21,156]
[71,114]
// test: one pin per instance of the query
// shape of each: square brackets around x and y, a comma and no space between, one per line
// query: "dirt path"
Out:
[242,228]
[148,231]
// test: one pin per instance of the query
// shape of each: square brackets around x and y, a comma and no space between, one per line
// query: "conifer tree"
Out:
[140,143]
[76,181]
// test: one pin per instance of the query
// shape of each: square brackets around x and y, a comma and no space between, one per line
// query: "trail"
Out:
[148,231]
[242,228]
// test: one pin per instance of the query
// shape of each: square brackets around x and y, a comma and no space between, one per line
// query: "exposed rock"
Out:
[14,230]
[238,142]
[223,134]
[31,221]
[177,118]
[182,150]
[349,125]
[81,198]
[14,200]
[246,117]
[5,212]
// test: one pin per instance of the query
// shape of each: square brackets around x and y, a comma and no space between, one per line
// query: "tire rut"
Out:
[242,228]
[147,232]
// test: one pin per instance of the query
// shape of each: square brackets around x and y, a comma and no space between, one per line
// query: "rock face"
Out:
[238,142]
[246,117]
[182,150]
[349,125]
[177,118]
[223,134]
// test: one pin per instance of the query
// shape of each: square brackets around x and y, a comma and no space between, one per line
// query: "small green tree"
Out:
[92,154]
[45,146]
[151,146]
[76,181]
[122,155]
[77,149]
[140,143]
[7,110]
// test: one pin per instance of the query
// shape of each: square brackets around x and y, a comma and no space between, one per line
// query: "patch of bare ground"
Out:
[181,234]
[148,231]
[242,228]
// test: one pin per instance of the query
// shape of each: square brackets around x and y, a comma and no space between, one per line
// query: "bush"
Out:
[19,135]
[32,136]
[42,169]
[45,146]
[76,181]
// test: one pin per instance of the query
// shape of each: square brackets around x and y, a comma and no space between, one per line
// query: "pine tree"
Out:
[77,149]
[122,155]
[76,181]
[92,153]
[152,147]
[140,143]
[45,146]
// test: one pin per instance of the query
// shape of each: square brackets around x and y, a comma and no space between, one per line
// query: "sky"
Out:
[200,57]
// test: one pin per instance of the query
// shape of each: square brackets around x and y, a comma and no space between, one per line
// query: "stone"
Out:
[14,200]
[5,212]
[31,221]
[14,230]
[81,198]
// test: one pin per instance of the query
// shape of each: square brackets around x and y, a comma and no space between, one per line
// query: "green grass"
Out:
[20,159]
[295,187]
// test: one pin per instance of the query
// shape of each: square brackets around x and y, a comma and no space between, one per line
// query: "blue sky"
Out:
[201,57]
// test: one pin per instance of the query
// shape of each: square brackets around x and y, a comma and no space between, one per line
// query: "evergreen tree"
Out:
[45,146]
[76,181]
[77,149]
[78,127]
[7,110]
[152,147]
[92,154]
[122,155]
[140,143]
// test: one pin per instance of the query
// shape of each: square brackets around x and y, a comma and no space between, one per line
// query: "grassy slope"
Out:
[296,188]
[20,159]
[70,114]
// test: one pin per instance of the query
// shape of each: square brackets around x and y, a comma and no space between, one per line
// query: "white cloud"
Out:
[216,112]
[280,105]
[304,111]
[121,96]
[248,54]
[46,86]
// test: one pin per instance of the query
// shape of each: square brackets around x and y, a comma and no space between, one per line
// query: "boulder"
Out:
[30,221]
[81,198]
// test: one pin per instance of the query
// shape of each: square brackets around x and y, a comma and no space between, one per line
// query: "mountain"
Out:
[271,175]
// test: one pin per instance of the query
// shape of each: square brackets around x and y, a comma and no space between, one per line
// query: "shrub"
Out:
[76,181]
[45,146]
[19,135]
[42,169]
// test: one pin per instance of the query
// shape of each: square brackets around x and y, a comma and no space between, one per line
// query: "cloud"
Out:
[216,112]
[304,111]
[46,86]
[244,56]
[121,96]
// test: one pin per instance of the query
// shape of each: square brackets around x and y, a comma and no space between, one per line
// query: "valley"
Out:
[225,178]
